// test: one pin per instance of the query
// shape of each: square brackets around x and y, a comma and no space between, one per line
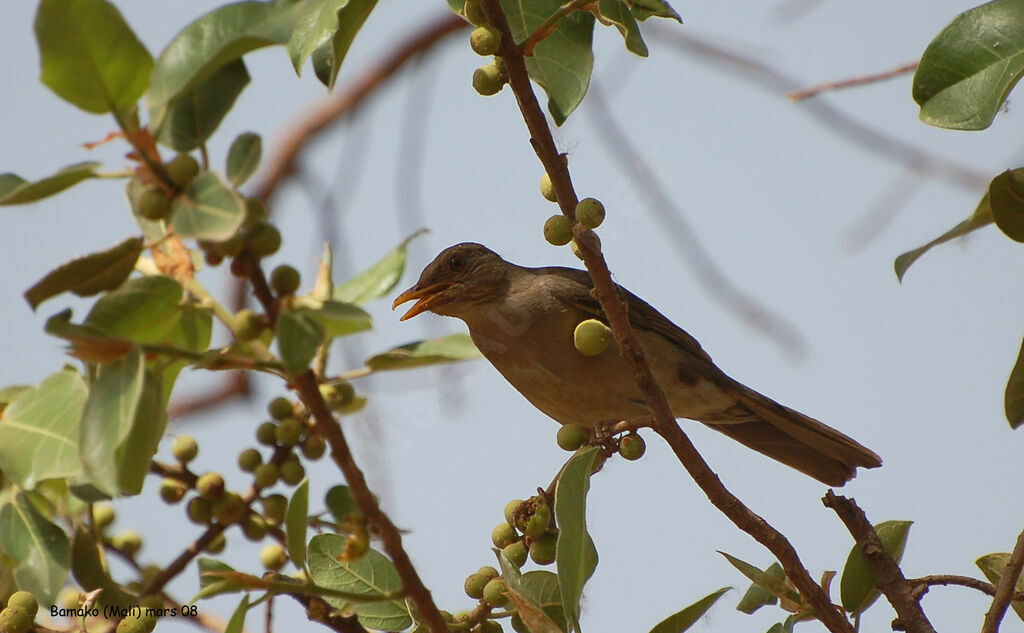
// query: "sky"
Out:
[779,200]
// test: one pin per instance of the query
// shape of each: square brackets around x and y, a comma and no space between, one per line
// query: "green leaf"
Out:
[769,582]
[237,622]
[194,117]
[192,333]
[327,59]
[221,36]
[575,554]
[379,279]
[39,430]
[970,67]
[39,549]
[89,56]
[336,318]
[542,589]
[16,190]
[372,575]
[142,310]
[314,26]
[757,596]
[447,349]
[108,417]
[9,393]
[982,217]
[563,61]
[88,275]
[1006,196]
[136,452]
[1013,400]
[296,522]
[90,570]
[527,598]
[298,337]
[340,502]
[857,587]
[683,620]
[643,9]
[208,210]
[210,586]
[244,157]
[618,13]
[993,565]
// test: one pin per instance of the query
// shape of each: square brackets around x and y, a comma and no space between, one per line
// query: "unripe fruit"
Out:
[229,508]
[24,601]
[266,434]
[172,491]
[288,432]
[485,40]
[487,80]
[538,524]
[571,436]
[265,475]
[153,204]
[232,246]
[152,602]
[210,486]
[280,408]
[495,593]
[542,550]
[255,211]
[503,534]
[547,189]
[131,624]
[103,516]
[273,557]
[264,239]
[285,280]
[218,544]
[248,324]
[68,598]
[199,511]
[632,447]
[249,460]
[184,448]
[274,508]
[592,337]
[15,620]
[182,169]
[129,542]
[487,572]
[590,213]
[510,510]
[474,12]
[314,446]
[292,473]
[516,552]
[558,230]
[254,527]
[338,394]
[576,247]
[474,586]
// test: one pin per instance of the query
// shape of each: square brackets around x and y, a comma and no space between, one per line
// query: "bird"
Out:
[522,320]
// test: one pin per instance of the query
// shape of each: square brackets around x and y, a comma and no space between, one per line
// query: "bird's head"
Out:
[461,277]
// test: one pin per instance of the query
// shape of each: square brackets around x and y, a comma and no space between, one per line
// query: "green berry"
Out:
[265,475]
[218,544]
[131,624]
[249,460]
[288,432]
[285,280]
[338,394]
[182,169]
[487,80]
[474,586]
[103,515]
[68,598]
[558,230]
[273,557]
[292,473]
[503,534]
[511,509]
[229,508]
[474,12]
[592,337]
[266,434]
[280,408]
[210,486]
[542,550]
[590,213]
[153,204]
[314,446]
[254,527]
[172,491]
[15,620]
[184,448]
[538,524]
[495,593]
[199,511]
[516,552]
[485,40]
[274,508]
[232,246]
[576,247]
[129,542]
[255,211]
[571,436]
[547,189]
[632,447]
[264,239]
[488,572]
[24,601]
[248,324]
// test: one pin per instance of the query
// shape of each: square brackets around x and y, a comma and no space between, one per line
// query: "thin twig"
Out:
[548,26]
[888,575]
[962,581]
[614,308]
[1005,588]
[814,91]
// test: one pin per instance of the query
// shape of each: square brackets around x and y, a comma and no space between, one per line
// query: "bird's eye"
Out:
[456,263]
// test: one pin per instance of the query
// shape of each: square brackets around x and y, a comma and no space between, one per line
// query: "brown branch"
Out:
[962,581]
[888,575]
[814,91]
[309,392]
[1005,588]
[614,308]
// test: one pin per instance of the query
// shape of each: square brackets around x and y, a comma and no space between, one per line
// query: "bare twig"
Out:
[814,91]
[606,292]
[1005,588]
[888,575]
[962,581]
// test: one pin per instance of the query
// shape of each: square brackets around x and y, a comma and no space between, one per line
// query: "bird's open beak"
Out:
[427,298]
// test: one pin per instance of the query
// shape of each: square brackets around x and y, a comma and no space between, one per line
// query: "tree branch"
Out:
[963,581]
[814,91]
[1005,588]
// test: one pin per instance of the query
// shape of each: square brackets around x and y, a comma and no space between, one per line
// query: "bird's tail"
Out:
[797,440]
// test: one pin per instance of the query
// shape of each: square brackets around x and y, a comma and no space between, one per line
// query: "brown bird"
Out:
[523,319]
